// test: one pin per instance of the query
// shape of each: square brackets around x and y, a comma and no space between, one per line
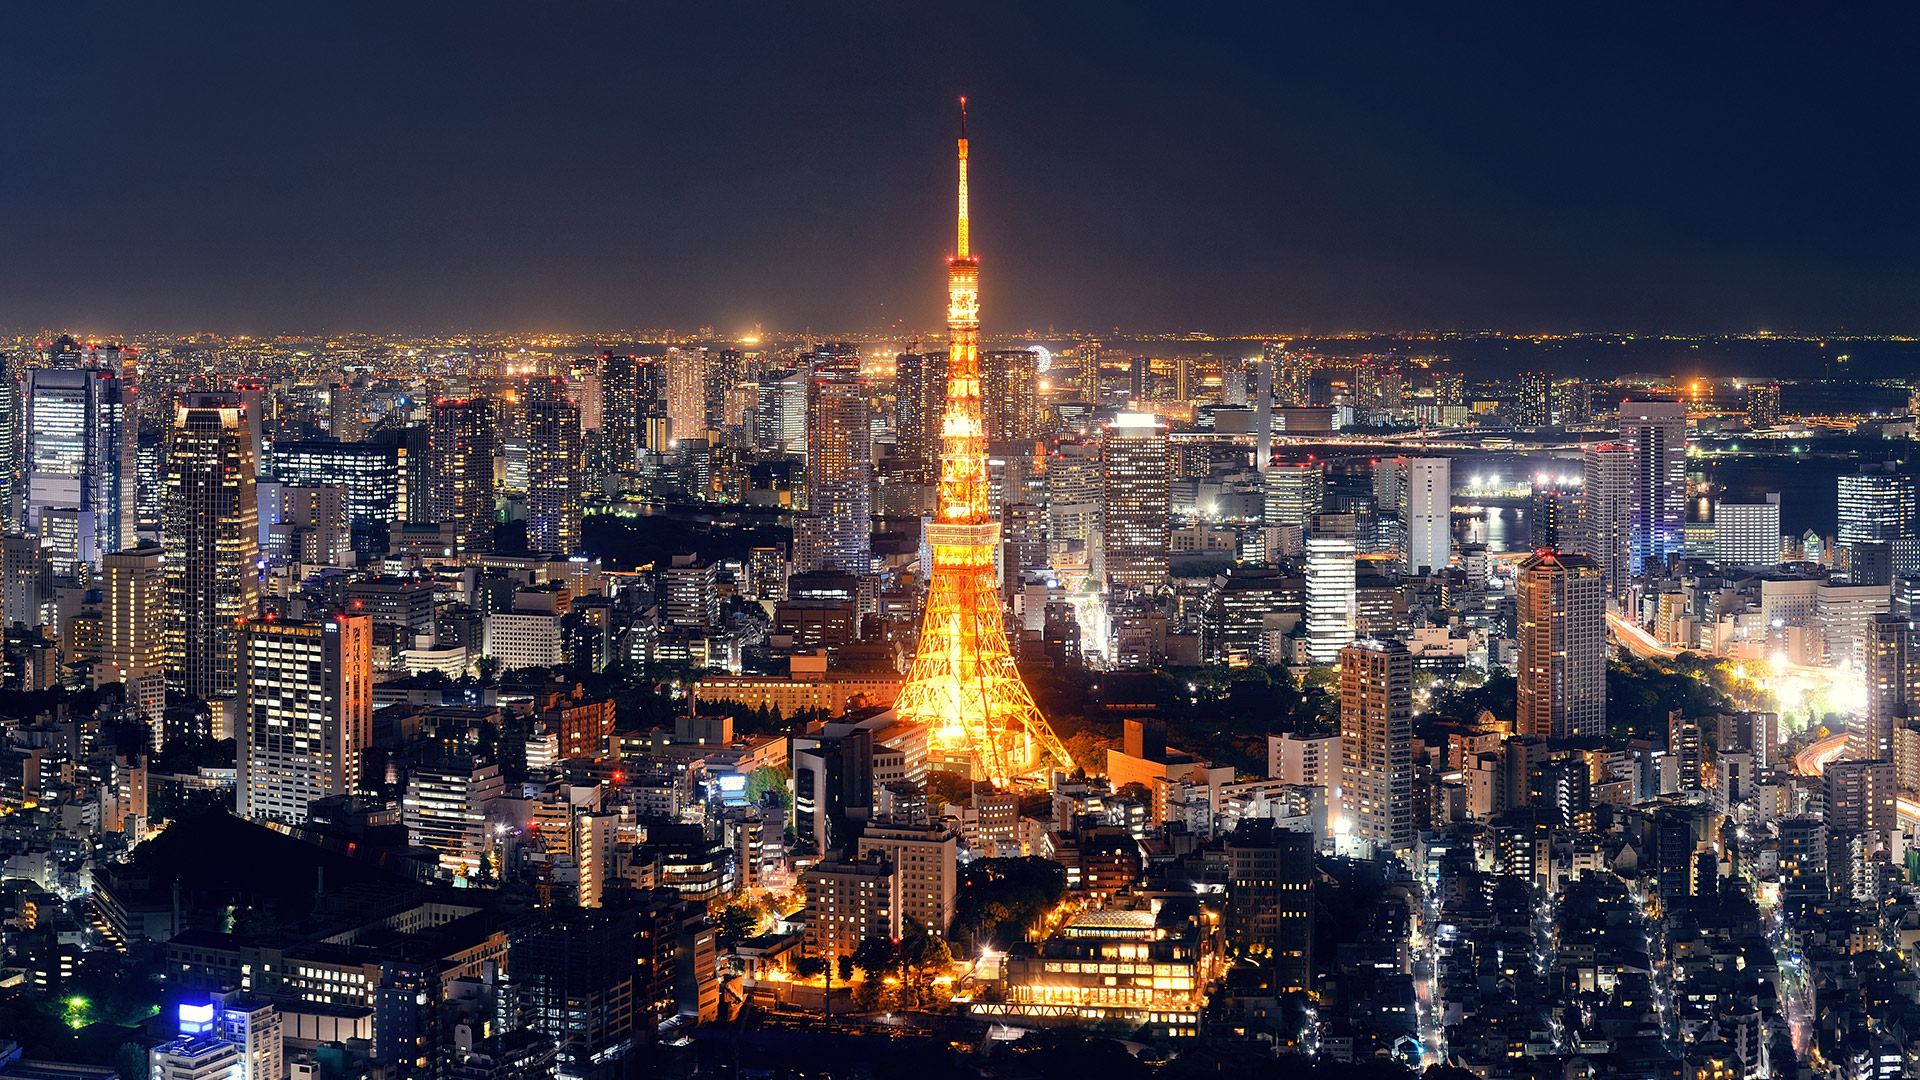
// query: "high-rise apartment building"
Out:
[1656,433]
[346,412]
[1331,583]
[1607,513]
[1561,612]
[686,393]
[1376,740]
[463,440]
[1535,407]
[629,392]
[133,630]
[554,460]
[81,442]
[925,870]
[1009,394]
[1891,666]
[13,420]
[1426,514]
[920,401]
[1136,506]
[308,692]
[1763,405]
[212,539]
[840,472]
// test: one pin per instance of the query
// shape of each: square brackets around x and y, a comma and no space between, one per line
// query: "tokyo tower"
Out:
[964,685]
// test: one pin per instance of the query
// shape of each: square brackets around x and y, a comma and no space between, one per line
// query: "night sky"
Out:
[401,166]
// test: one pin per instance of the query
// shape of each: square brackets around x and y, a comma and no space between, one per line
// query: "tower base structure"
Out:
[964,685]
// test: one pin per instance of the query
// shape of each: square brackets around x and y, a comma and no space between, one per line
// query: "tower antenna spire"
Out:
[963,244]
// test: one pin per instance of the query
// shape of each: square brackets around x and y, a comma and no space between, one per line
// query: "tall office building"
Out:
[1331,582]
[1606,513]
[1426,514]
[373,474]
[445,809]
[1270,901]
[81,448]
[309,714]
[1656,433]
[1136,502]
[840,471]
[1747,533]
[554,459]
[346,412]
[1552,516]
[686,393]
[1009,394]
[1763,405]
[26,582]
[212,538]
[1878,503]
[133,630]
[13,421]
[1376,743]
[780,418]
[463,440]
[1535,407]
[1294,492]
[1561,611]
[577,978]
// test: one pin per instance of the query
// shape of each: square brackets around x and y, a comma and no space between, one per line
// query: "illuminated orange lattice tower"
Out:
[964,685]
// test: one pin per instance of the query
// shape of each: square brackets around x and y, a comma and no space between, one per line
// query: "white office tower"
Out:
[1747,533]
[1426,514]
[1330,595]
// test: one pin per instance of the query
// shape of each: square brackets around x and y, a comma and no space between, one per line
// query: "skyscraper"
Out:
[1561,612]
[1009,394]
[212,537]
[1656,433]
[780,418]
[1294,492]
[628,389]
[1426,514]
[1747,532]
[1552,516]
[309,714]
[1136,504]
[553,468]
[1891,665]
[1535,407]
[963,684]
[346,412]
[920,400]
[463,440]
[1331,582]
[1878,503]
[81,443]
[1607,513]
[1763,405]
[134,630]
[686,392]
[840,471]
[1376,743]
[13,419]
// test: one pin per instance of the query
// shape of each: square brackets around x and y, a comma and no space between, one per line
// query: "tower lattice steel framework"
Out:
[964,685]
